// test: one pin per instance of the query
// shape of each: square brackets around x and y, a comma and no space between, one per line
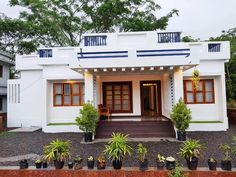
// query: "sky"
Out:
[199,18]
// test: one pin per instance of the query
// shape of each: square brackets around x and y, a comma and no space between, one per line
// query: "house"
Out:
[5,64]
[138,75]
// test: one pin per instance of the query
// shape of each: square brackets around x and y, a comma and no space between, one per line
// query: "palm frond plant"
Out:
[191,151]
[226,161]
[57,151]
[143,161]
[117,149]
[177,172]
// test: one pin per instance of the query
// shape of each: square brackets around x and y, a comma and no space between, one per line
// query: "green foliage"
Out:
[231,103]
[78,159]
[177,172]
[141,151]
[190,148]
[62,23]
[181,116]
[117,147]
[230,35]
[189,39]
[6,134]
[225,149]
[90,158]
[160,157]
[57,150]
[88,119]
[234,145]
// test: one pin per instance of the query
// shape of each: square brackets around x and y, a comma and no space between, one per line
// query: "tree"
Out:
[62,22]
[230,35]
[189,39]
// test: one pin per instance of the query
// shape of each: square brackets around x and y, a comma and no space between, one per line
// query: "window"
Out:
[68,94]
[203,94]
[1,71]
[45,53]
[213,47]
[118,96]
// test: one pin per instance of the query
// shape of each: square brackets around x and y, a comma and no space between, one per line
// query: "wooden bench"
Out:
[104,111]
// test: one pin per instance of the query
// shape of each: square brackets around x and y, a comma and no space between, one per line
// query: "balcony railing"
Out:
[45,53]
[214,47]
[95,40]
[169,37]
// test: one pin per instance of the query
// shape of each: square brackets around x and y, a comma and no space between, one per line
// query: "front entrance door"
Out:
[150,98]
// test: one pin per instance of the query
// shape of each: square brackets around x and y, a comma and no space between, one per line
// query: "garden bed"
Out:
[126,172]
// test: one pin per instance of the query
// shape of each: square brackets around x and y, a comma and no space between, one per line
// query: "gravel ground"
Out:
[28,143]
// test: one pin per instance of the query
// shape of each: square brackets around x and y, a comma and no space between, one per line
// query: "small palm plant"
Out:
[191,150]
[117,148]
[57,151]
[142,152]
[226,161]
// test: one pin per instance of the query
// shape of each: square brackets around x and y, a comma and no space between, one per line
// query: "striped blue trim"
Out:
[102,54]
[114,56]
[166,50]
[106,52]
[164,54]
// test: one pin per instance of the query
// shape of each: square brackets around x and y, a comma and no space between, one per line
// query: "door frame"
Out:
[158,82]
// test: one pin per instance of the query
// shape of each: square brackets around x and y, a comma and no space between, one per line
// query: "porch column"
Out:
[89,87]
[178,85]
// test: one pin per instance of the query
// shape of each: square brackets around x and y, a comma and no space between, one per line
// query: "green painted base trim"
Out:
[205,122]
[61,124]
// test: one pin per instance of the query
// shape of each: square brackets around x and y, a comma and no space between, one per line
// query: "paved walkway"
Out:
[19,157]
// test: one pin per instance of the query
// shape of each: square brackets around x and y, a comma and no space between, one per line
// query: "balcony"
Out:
[170,37]
[95,40]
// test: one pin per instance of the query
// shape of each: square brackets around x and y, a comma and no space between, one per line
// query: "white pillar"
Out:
[45,104]
[224,103]
[178,85]
[88,82]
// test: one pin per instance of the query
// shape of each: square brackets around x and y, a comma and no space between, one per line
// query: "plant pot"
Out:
[58,164]
[143,165]
[226,165]
[70,165]
[212,165]
[117,164]
[23,164]
[101,165]
[38,165]
[192,165]
[78,165]
[45,165]
[170,165]
[160,165]
[88,137]
[90,164]
[181,136]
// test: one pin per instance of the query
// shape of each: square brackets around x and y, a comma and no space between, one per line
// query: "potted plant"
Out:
[226,161]
[117,148]
[38,163]
[190,150]
[87,121]
[195,78]
[170,163]
[23,164]
[57,151]
[70,164]
[181,116]
[143,162]
[101,162]
[90,162]
[78,162]
[160,161]
[212,163]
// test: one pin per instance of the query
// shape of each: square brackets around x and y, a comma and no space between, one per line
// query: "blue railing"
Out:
[45,53]
[95,40]
[214,47]
[170,37]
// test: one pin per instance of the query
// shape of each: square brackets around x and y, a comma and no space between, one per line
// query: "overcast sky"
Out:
[198,18]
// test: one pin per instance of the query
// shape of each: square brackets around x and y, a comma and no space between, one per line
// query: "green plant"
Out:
[57,150]
[225,149]
[90,158]
[177,172]
[160,157]
[78,159]
[141,151]
[234,145]
[190,149]
[88,119]
[117,147]
[38,161]
[211,159]
[195,79]
[181,116]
